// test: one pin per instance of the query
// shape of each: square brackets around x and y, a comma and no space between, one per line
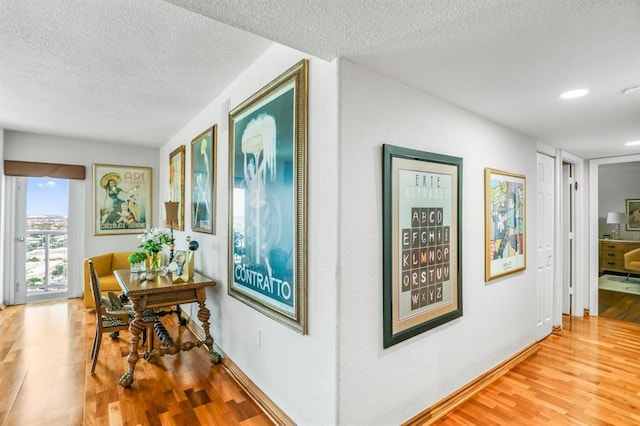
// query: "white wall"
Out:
[297,372]
[21,146]
[381,387]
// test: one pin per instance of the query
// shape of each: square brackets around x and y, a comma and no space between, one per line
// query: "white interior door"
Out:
[544,245]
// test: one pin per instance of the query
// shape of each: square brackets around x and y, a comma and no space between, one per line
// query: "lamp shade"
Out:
[616,218]
[171,210]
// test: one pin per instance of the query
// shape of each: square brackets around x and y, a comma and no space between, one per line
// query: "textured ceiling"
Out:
[136,72]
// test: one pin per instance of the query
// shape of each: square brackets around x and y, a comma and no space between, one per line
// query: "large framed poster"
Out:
[204,154]
[267,199]
[422,280]
[121,199]
[505,230]
[176,183]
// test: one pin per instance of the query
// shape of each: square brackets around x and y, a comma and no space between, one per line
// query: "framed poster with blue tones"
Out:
[267,199]
[505,230]
[422,279]
[203,181]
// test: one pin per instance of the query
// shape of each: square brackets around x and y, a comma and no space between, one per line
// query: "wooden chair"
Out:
[110,320]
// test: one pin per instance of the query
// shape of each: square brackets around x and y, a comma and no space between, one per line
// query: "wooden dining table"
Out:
[157,293]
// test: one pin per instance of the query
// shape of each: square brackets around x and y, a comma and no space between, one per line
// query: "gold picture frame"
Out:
[176,183]
[122,202]
[204,153]
[505,223]
[268,199]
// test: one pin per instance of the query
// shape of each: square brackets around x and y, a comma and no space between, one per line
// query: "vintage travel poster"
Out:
[267,146]
[122,199]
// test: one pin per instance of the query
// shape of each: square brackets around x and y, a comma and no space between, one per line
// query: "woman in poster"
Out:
[263,216]
[202,213]
[124,208]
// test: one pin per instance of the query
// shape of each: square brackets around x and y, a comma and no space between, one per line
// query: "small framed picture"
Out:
[505,225]
[633,214]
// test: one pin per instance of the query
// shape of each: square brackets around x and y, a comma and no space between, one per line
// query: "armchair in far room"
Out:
[632,261]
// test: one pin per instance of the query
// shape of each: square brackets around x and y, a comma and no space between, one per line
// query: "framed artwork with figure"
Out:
[176,183]
[203,181]
[505,226]
[267,199]
[633,214]
[121,199]
[422,235]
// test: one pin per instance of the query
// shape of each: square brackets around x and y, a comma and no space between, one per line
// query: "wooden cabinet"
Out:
[612,254]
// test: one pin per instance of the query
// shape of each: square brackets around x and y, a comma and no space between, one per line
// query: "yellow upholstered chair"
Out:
[104,265]
[632,261]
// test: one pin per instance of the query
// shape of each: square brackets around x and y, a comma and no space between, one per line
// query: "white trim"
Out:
[581,294]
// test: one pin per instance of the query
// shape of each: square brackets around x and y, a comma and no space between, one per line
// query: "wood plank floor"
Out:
[617,305]
[589,374]
[44,376]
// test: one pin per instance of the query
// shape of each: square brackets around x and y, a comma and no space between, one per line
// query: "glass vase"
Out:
[138,267]
[155,261]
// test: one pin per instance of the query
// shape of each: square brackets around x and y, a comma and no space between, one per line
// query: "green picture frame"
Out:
[422,241]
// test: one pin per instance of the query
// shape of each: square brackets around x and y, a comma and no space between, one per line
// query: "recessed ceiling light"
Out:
[631,90]
[572,94]
[632,143]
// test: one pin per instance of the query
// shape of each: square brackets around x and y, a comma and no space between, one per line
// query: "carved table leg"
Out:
[135,329]
[181,320]
[203,316]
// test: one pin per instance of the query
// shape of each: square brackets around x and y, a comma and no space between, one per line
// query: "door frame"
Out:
[75,246]
[594,236]
[580,300]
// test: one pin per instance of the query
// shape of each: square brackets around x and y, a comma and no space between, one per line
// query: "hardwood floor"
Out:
[588,374]
[617,305]
[45,379]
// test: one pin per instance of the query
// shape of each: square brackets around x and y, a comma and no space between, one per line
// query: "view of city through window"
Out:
[46,236]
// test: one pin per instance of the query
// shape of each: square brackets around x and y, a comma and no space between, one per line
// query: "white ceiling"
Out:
[137,71]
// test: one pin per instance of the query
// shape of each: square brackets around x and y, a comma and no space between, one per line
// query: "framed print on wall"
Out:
[203,181]
[505,226]
[176,183]
[421,229]
[633,214]
[121,199]
[267,199]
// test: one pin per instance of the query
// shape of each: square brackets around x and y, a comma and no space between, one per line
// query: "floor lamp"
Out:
[171,215]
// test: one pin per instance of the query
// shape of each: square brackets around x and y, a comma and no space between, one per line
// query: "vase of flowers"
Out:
[153,242]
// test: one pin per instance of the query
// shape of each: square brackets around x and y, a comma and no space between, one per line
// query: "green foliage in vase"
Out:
[137,257]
